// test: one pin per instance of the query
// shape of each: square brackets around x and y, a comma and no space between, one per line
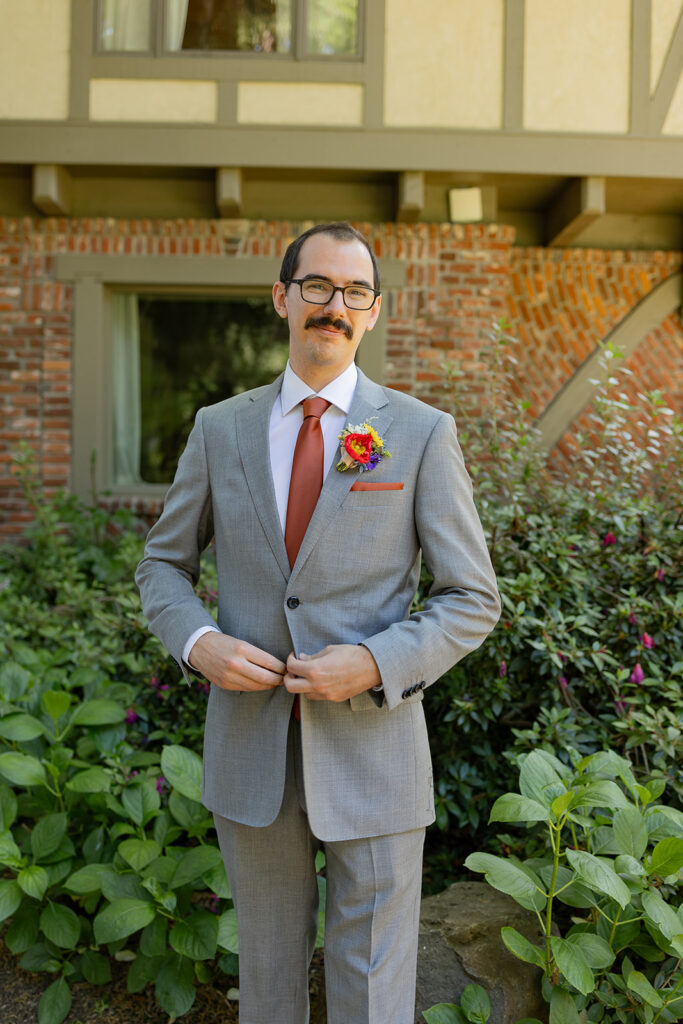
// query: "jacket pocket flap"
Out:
[362,485]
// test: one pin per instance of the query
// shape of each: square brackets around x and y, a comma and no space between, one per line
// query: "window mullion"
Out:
[158,27]
[299,29]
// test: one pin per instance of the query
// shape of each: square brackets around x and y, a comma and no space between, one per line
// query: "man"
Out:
[320,610]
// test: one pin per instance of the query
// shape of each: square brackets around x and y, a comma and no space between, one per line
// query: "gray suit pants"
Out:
[372,915]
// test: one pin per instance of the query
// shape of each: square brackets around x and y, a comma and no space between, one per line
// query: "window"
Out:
[295,28]
[171,355]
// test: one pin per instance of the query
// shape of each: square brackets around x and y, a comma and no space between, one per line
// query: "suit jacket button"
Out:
[292,602]
[422,685]
[406,693]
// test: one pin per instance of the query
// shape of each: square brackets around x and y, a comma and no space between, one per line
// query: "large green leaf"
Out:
[183,769]
[23,931]
[599,874]
[22,769]
[141,801]
[56,703]
[174,987]
[562,1008]
[444,1013]
[630,831]
[14,680]
[98,712]
[217,881]
[188,813]
[61,925]
[194,863]
[47,835]
[10,853]
[141,971]
[34,881]
[87,879]
[117,886]
[153,937]
[20,727]
[10,898]
[227,931]
[196,936]
[92,780]
[573,964]
[514,807]
[55,1003]
[661,915]
[8,807]
[139,852]
[538,780]
[121,918]
[511,877]
[601,793]
[639,984]
[96,968]
[596,951]
[520,946]
[667,857]
[475,1004]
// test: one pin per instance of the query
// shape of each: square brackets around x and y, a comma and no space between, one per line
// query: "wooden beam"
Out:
[582,388]
[411,195]
[669,78]
[580,204]
[229,191]
[52,189]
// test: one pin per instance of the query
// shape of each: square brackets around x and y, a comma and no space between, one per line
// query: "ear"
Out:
[280,299]
[374,313]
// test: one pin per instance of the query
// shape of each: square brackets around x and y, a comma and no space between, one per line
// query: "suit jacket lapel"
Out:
[369,403]
[252,426]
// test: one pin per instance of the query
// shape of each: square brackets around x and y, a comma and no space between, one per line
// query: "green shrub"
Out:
[612,854]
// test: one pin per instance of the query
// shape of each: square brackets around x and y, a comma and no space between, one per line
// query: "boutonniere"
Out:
[361,447]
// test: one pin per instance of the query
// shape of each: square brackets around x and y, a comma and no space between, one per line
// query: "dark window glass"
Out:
[188,352]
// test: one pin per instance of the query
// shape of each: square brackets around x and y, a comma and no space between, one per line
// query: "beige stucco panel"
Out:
[34,59]
[128,99]
[319,103]
[577,65]
[444,63]
[665,14]
[674,119]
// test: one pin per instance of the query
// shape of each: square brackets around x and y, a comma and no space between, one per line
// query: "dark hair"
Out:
[339,229]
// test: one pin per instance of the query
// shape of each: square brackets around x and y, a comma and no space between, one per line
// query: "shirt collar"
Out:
[339,391]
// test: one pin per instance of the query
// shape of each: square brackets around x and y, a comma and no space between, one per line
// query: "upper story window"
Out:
[295,28]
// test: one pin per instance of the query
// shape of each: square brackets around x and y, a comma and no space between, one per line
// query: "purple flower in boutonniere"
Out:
[361,447]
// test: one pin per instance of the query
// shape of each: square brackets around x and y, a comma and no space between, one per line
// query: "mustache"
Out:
[328,321]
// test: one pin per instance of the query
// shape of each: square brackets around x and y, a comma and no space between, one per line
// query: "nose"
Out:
[336,304]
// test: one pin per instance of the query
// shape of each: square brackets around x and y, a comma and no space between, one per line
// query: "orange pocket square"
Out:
[362,485]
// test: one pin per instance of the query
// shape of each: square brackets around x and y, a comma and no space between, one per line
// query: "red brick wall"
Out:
[459,279]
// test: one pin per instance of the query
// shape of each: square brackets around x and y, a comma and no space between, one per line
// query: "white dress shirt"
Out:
[286,418]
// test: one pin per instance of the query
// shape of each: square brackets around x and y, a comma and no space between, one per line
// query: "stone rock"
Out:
[460,943]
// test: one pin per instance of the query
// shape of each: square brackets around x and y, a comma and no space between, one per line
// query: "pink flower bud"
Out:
[647,640]
[632,618]
[637,675]
[608,539]
[503,670]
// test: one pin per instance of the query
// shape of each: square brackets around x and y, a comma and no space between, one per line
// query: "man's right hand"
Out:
[234,664]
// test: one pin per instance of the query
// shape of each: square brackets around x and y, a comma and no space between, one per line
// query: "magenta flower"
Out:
[621,705]
[647,640]
[563,682]
[632,618]
[154,682]
[131,716]
[503,670]
[608,539]
[160,784]
[637,675]
[660,575]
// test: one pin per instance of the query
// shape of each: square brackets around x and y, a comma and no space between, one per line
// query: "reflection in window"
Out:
[331,28]
[246,26]
[258,26]
[170,356]
[126,25]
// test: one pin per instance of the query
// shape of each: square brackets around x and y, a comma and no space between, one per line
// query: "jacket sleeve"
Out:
[169,569]
[463,604]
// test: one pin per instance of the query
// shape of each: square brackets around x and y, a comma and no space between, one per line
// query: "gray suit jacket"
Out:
[367,767]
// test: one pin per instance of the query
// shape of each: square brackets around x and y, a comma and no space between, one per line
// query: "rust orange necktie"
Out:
[308,466]
[307,475]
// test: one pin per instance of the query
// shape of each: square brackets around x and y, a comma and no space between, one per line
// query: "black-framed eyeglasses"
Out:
[320,292]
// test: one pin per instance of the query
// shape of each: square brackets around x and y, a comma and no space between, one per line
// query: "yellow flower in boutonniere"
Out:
[361,447]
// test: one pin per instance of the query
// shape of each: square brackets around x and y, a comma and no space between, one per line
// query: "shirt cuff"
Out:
[193,640]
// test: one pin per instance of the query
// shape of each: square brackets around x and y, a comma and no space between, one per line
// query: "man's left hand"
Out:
[336,673]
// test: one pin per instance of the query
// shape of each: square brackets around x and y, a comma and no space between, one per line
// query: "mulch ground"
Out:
[20,993]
